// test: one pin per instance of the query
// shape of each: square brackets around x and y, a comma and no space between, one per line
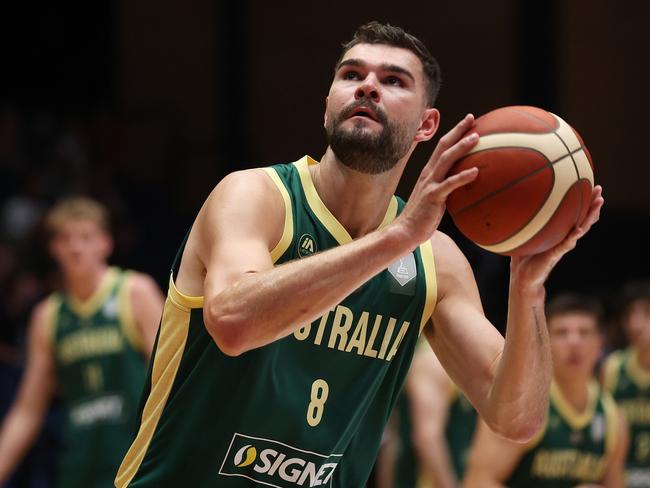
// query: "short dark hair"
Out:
[377,33]
[631,292]
[567,303]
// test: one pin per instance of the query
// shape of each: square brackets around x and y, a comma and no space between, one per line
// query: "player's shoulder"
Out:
[43,316]
[254,187]
[449,259]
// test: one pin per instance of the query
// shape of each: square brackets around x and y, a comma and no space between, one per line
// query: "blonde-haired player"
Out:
[90,343]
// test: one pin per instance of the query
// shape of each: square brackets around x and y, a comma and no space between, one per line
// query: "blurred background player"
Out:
[436,424]
[584,440]
[627,378]
[89,343]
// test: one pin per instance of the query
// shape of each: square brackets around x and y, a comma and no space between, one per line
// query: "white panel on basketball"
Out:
[584,168]
[565,177]
[547,144]
[565,132]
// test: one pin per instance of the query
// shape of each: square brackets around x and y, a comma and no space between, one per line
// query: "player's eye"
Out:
[394,80]
[351,75]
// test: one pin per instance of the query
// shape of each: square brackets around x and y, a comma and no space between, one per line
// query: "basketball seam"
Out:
[557,209]
[549,164]
[575,166]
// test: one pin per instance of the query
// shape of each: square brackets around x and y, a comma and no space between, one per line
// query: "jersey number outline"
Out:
[319,392]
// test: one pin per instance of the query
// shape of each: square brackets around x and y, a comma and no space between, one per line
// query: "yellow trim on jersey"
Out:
[89,307]
[323,213]
[577,420]
[637,374]
[611,421]
[183,301]
[612,371]
[128,324]
[287,233]
[52,304]
[391,213]
[173,334]
[429,266]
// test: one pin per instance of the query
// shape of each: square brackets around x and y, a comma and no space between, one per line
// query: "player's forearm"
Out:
[16,436]
[519,394]
[265,306]
[475,479]
[437,462]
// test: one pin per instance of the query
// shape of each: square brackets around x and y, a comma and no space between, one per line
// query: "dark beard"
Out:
[362,150]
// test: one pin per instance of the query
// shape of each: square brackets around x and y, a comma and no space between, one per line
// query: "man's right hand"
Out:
[427,203]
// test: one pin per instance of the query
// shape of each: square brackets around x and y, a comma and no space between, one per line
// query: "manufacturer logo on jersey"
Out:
[110,308]
[306,246]
[404,269]
[277,464]
[598,427]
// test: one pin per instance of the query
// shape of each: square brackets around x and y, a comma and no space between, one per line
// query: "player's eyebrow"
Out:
[393,68]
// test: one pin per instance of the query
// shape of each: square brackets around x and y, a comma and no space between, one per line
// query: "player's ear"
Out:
[327,101]
[429,125]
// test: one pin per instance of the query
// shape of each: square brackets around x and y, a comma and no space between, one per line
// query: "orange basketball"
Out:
[534,183]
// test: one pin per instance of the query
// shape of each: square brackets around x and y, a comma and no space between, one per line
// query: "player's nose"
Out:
[369,88]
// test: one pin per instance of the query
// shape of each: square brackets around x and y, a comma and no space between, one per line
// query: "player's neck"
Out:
[358,201]
[575,391]
[82,285]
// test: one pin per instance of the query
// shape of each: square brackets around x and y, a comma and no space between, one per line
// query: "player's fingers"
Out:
[453,154]
[451,138]
[593,215]
[450,184]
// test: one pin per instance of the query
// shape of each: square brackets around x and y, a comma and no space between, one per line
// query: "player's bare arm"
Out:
[429,392]
[147,304]
[24,420]
[615,473]
[242,221]
[492,459]
[499,382]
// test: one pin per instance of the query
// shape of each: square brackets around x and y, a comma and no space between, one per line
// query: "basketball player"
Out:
[627,378]
[88,343]
[584,439]
[436,426]
[296,301]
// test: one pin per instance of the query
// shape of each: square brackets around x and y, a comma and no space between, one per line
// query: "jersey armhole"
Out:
[612,372]
[612,421]
[287,232]
[52,304]
[126,317]
[431,283]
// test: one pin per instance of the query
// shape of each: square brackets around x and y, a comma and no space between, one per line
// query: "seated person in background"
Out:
[584,439]
[627,377]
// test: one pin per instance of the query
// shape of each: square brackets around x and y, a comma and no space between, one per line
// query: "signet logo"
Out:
[306,246]
[273,463]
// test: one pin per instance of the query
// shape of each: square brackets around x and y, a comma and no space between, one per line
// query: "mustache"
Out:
[354,106]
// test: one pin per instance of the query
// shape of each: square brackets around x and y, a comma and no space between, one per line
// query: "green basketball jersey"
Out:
[306,410]
[100,370]
[459,431]
[629,384]
[572,448]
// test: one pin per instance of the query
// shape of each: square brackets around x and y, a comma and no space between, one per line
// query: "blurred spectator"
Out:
[627,377]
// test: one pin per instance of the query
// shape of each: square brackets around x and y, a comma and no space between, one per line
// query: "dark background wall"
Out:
[147,104]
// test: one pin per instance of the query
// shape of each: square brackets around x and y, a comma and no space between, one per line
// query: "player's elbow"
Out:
[225,331]
[520,428]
